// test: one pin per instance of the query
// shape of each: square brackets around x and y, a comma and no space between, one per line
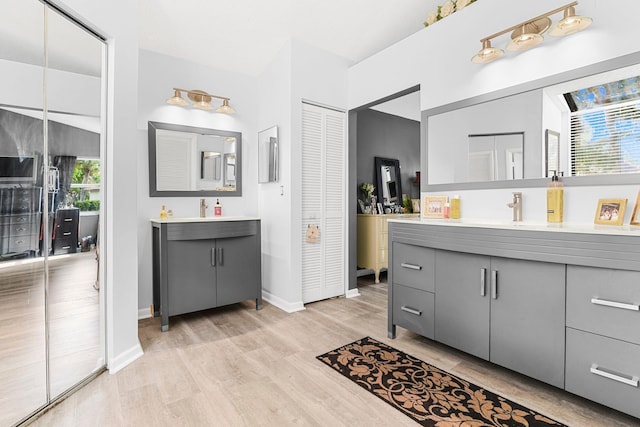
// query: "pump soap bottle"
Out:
[217,208]
[555,200]
[163,213]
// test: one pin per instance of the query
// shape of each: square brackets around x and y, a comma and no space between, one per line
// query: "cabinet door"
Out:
[527,318]
[238,269]
[462,302]
[191,275]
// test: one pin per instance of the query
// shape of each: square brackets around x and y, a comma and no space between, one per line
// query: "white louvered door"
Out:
[323,202]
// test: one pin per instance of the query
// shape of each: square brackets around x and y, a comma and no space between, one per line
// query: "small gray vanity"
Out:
[557,304]
[202,263]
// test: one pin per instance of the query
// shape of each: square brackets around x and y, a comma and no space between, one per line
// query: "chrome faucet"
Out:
[516,205]
[203,208]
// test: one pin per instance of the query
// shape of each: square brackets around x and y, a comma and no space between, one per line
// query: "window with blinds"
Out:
[605,128]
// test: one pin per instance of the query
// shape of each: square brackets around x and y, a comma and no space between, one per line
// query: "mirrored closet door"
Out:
[51,156]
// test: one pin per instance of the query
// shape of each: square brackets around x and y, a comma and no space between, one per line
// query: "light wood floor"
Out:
[235,366]
[74,332]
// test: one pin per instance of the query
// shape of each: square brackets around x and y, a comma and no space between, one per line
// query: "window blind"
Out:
[606,140]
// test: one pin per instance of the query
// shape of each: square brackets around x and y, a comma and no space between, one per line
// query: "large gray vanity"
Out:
[557,304]
[201,263]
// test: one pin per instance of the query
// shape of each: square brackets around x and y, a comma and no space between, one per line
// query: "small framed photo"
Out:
[635,216]
[380,208]
[415,205]
[610,211]
[434,206]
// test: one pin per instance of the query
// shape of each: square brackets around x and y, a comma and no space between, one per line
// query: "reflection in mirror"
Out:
[496,157]
[578,126]
[268,155]
[187,161]
[210,165]
[389,184]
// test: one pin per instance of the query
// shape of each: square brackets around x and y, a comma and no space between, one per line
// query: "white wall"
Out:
[158,74]
[118,21]
[438,58]
[298,72]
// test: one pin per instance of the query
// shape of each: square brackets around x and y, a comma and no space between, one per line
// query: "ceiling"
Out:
[245,35]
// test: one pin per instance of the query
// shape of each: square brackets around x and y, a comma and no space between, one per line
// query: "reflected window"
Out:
[605,128]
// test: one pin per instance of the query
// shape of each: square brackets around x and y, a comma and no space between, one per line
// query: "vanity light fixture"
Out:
[528,34]
[200,99]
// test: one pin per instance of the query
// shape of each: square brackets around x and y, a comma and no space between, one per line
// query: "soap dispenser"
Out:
[555,199]
[163,213]
[217,208]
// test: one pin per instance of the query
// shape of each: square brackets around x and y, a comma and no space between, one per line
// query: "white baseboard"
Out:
[282,304]
[144,313]
[125,358]
[352,293]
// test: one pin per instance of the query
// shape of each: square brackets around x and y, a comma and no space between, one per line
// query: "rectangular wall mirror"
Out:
[187,161]
[268,155]
[389,184]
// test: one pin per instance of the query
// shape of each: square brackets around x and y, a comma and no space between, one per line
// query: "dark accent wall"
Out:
[385,135]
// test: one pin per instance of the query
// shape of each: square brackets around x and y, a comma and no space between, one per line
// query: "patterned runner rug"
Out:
[429,395]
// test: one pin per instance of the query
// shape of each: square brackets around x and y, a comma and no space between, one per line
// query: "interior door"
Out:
[323,203]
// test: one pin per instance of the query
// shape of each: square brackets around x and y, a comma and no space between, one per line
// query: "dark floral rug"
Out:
[429,395]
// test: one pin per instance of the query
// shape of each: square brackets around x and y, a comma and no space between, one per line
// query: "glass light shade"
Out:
[225,107]
[487,53]
[177,99]
[203,104]
[570,23]
[525,38]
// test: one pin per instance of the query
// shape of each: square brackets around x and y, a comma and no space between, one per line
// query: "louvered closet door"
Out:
[323,202]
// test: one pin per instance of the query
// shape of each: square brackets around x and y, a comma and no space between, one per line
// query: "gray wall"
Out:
[20,134]
[385,135]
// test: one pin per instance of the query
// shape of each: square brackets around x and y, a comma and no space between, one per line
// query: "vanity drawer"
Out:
[414,310]
[604,301]
[604,370]
[414,266]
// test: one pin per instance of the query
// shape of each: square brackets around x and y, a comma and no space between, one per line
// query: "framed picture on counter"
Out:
[635,216]
[610,211]
[434,206]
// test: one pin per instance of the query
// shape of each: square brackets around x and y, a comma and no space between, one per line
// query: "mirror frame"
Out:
[596,68]
[379,163]
[153,190]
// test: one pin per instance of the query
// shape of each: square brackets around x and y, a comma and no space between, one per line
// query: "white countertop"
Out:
[173,220]
[621,230]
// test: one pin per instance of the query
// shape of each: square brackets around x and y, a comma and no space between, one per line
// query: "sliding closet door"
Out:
[74,297]
[22,272]
[323,202]
[51,333]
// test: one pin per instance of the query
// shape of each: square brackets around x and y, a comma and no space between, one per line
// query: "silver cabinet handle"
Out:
[411,310]
[494,284]
[625,306]
[220,258]
[213,257]
[67,233]
[411,266]
[483,282]
[68,219]
[631,380]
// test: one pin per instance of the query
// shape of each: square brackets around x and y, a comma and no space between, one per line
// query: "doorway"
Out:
[389,128]
[51,156]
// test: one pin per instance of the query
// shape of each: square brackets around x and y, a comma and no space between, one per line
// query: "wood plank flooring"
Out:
[235,366]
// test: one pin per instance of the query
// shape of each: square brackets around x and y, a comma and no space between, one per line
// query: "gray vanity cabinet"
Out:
[204,264]
[462,311]
[508,311]
[603,336]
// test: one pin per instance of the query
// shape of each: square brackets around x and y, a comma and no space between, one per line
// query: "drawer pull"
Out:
[68,219]
[630,380]
[68,233]
[625,306]
[66,247]
[411,266]
[411,310]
